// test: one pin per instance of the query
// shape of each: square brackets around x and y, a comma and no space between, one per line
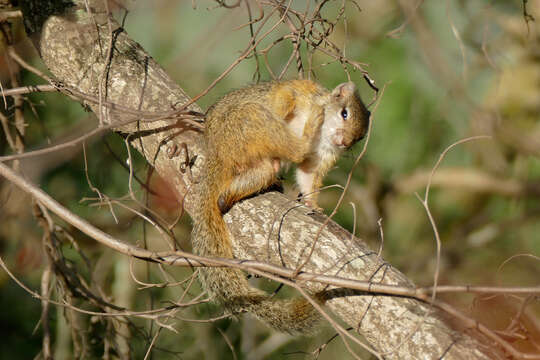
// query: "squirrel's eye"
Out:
[344,114]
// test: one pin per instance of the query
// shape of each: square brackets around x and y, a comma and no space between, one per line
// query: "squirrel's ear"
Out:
[344,90]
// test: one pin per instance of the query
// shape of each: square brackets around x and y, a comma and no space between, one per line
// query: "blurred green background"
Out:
[455,69]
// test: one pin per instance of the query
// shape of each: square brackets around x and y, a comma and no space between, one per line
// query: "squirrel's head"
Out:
[350,114]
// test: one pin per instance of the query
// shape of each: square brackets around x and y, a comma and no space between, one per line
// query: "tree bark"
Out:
[75,44]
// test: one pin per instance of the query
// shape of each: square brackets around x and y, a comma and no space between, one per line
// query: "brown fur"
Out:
[248,135]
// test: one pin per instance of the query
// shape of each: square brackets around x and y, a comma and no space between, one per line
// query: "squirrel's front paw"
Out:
[314,207]
[314,210]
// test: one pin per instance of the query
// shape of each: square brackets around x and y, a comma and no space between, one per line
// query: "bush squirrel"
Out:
[250,133]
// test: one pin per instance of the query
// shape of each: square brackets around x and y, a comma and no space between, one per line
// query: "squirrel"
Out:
[250,133]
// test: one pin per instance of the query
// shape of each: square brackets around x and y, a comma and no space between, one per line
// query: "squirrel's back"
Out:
[276,96]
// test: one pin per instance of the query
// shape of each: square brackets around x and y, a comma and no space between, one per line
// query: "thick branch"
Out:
[80,52]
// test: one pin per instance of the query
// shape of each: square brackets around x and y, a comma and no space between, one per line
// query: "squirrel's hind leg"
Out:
[248,182]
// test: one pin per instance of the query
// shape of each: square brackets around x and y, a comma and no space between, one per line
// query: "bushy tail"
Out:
[230,287]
